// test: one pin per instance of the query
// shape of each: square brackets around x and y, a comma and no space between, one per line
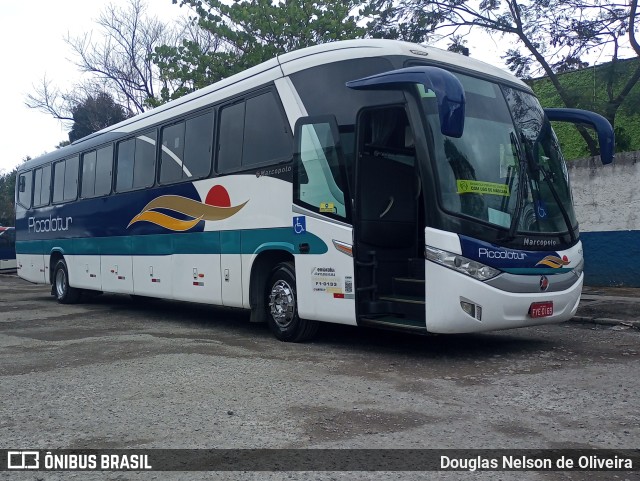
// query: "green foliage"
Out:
[249,32]
[588,87]
[7,193]
[552,36]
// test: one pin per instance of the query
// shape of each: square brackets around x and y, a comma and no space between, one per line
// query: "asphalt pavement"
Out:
[610,306]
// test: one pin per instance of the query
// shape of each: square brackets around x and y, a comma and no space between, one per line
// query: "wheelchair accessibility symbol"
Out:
[542,210]
[300,225]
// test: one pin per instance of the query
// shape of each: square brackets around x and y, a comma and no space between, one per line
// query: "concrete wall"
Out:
[607,200]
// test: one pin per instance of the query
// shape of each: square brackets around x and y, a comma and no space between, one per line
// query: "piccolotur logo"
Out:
[217,206]
[49,224]
[554,261]
[544,283]
[507,255]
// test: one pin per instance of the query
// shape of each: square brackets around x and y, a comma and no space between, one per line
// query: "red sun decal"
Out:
[565,258]
[218,196]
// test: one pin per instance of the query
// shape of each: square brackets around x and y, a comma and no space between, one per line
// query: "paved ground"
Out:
[610,305]
[120,373]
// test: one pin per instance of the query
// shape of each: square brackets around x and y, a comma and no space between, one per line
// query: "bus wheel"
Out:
[65,294]
[282,309]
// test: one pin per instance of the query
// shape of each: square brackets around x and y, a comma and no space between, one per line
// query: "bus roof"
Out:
[271,70]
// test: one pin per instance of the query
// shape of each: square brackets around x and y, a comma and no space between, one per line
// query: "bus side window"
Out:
[172,156]
[319,171]
[104,170]
[186,149]
[65,180]
[135,162]
[124,165]
[42,186]
[96,172]
[58,181]
[230,138]
[252,133]
[88,174]
[144,167]
[266,136]
[24,189]
[198,145]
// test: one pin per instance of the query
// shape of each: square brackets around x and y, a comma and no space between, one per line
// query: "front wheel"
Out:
[282,308]
[65,294]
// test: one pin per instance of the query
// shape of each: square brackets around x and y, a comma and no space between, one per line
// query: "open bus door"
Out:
[321,226]
[389,215]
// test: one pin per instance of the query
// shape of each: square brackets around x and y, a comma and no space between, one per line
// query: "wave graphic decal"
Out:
[554,261]
[192,208]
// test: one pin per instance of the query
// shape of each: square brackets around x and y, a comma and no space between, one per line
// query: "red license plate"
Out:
[541,309]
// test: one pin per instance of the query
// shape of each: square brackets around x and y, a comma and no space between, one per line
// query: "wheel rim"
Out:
[61,283]
[282,303]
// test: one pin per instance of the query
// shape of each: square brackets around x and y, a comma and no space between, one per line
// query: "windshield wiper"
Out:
[547,177]
[522,164]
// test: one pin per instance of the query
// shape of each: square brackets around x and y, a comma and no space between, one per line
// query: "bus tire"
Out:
[282,307]
[65,294]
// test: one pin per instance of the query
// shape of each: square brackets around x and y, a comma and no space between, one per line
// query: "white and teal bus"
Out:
[365,182]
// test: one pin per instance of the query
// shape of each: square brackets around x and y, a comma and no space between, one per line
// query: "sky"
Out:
[32,46]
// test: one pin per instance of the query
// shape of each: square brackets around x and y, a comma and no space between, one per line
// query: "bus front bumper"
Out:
[446,289]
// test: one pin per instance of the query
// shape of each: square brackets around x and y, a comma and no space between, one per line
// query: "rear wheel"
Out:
[65,294]
[282,308]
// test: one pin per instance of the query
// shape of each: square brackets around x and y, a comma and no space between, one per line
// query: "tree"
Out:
[121,60]
[633,13]
[7,204]
[95,113]
[7,196]
[118,63]
[248,32]
[552,35]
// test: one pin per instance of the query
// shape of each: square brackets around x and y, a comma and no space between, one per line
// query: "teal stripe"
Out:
[231,241]
[220,242]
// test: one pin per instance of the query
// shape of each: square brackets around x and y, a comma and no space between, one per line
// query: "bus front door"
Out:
[388,213]
[320,225]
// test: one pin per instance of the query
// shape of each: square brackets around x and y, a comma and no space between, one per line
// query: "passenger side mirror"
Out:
[606,137]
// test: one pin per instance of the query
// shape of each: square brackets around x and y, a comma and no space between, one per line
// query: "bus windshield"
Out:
[508,150]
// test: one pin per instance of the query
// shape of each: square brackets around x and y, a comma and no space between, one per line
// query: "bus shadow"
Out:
[220,322]
[450,346]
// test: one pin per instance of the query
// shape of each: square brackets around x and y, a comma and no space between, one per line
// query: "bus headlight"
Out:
[461,264]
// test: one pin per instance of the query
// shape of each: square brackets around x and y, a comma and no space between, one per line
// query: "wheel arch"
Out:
[54,257]
[261,269]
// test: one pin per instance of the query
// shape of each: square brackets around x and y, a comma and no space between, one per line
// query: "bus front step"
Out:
[408,286]
[395,324]
[409,307]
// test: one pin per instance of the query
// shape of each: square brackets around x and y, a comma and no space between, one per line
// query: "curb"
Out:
[605,321]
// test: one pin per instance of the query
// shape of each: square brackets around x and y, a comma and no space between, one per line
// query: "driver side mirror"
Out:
[448,89]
